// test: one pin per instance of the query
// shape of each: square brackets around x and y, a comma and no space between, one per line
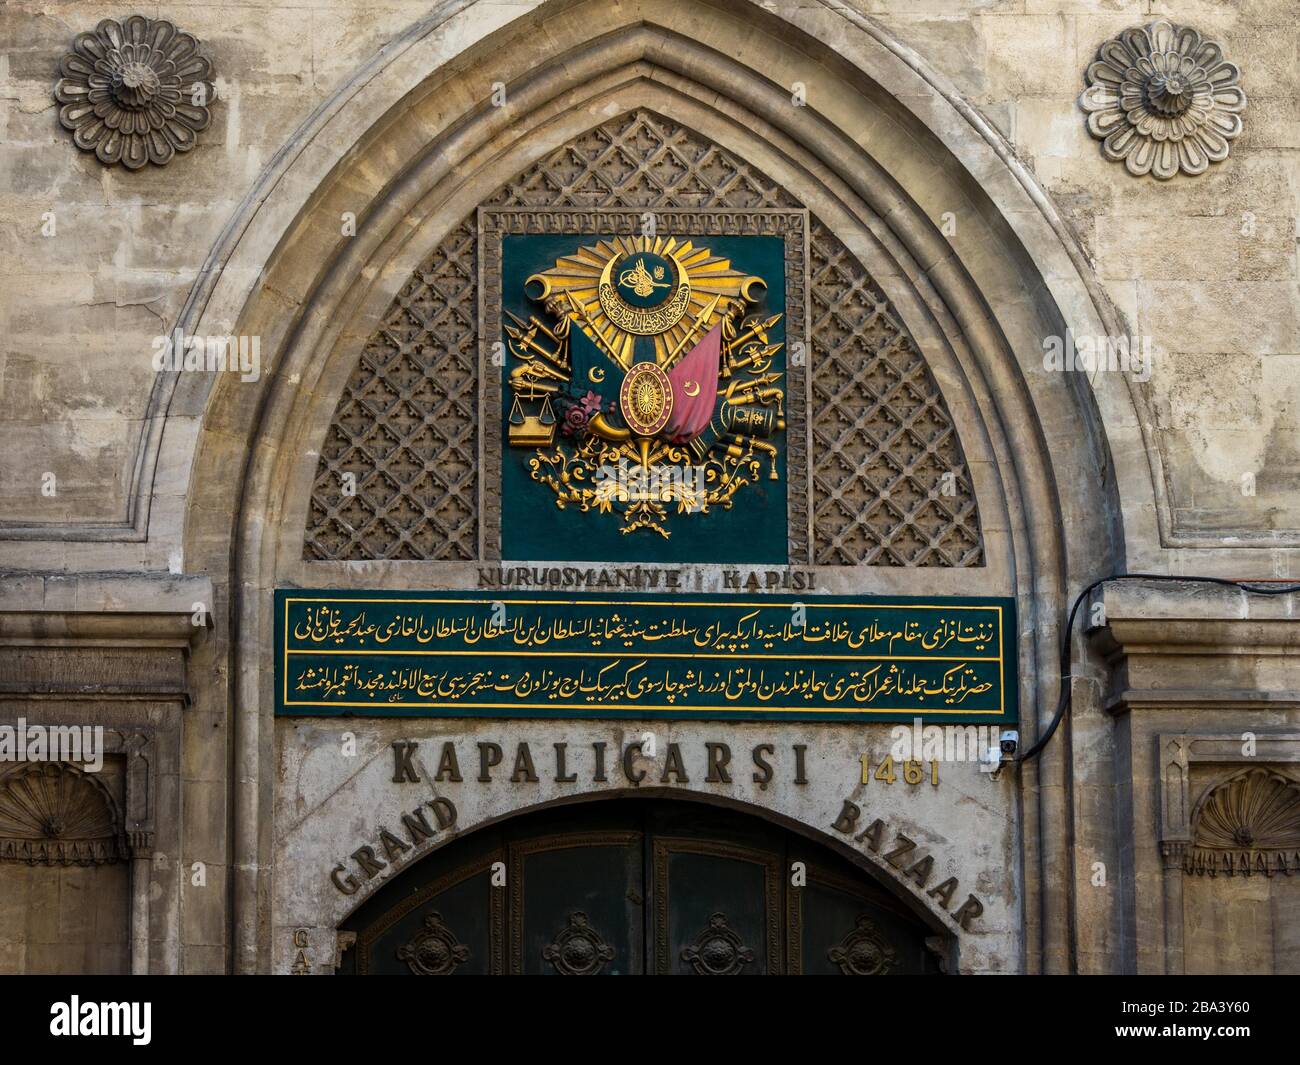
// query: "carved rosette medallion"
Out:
[1161,99]
[433,951]
[864,951]
[134,92]
[718,950]
[579,949]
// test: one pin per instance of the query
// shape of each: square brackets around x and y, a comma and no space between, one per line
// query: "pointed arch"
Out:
[397,477]
[883,147]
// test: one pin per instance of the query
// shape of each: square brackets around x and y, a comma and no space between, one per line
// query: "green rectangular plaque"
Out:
[671,655]
[579,497]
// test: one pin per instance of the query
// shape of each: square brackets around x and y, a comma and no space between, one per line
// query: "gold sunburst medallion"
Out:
[646,399]
[629,287]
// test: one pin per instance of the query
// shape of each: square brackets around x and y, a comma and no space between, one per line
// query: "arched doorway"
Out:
[627,887]
[862,161]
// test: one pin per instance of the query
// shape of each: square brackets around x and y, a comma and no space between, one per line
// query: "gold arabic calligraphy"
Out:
[329,625]
[632,657]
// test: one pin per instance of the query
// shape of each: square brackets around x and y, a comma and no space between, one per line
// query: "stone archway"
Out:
[630,886]
[417,160]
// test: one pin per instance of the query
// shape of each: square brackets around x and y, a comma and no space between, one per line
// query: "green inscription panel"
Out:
[671,655]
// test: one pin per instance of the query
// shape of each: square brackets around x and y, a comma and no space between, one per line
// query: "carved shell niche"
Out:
[52,813]
[1255,810]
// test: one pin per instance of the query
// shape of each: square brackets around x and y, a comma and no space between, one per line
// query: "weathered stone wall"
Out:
[1204,267]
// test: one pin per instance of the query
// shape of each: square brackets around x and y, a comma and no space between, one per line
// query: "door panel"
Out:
[446,929]
[624,887]
[844,931]
[576,905]
[717,909]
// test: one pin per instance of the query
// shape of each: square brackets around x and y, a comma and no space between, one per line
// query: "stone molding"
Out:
[99,637]
[1175,644]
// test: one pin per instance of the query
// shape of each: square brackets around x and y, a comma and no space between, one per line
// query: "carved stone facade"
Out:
[52,813]
[950,210]
[134,92]
[398,469]
[1248,825]
[889,481]
[1163,100]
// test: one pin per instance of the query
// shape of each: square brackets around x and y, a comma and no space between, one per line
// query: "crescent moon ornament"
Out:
[538,287]
[596,374]
[691,388]
[658,316]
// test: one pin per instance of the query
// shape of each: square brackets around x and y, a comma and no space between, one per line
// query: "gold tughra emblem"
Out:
[633,409]
[638,279]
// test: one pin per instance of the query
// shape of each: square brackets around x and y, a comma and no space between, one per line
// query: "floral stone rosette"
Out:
[134,92]
[1163,100]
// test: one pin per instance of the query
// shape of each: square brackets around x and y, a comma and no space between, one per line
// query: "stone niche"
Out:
[1235,860]
[90,847]
[64,880]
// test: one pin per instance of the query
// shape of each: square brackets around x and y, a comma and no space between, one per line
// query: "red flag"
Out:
[695,388]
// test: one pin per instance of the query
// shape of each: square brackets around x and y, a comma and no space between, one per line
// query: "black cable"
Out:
[1063,703]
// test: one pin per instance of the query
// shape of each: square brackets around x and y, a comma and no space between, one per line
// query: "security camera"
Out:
[1010,741]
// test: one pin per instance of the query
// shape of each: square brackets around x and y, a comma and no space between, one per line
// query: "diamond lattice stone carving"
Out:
[397,470]
[889,481]
[642,160]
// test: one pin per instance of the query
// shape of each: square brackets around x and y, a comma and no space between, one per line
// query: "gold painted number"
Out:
[913,771]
